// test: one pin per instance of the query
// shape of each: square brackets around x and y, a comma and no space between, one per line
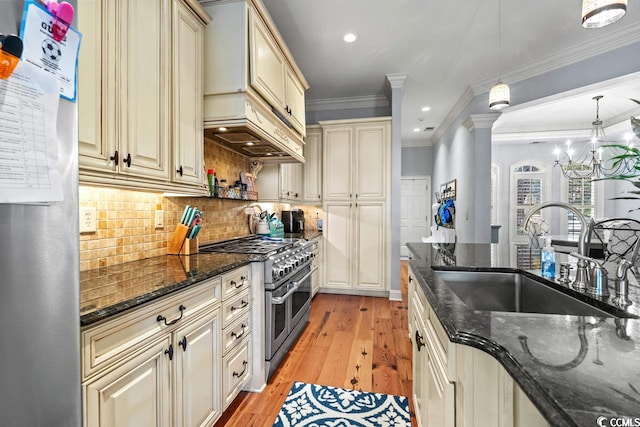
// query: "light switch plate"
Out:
[159,219]
[87,220]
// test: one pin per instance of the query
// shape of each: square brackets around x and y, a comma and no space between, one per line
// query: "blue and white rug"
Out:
[315,405]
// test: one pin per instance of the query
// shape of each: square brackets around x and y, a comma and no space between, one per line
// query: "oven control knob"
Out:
[287,268]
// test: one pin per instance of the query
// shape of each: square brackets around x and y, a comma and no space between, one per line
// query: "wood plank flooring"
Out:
[351,342]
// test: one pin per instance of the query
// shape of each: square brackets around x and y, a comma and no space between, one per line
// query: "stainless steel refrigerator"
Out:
[39,290]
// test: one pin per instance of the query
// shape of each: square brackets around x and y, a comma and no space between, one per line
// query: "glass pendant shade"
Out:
[598,13]
[499,97]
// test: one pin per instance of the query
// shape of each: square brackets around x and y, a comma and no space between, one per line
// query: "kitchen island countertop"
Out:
[574,369]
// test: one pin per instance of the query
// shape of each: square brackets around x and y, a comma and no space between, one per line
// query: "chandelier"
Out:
[598,158]
[499,96]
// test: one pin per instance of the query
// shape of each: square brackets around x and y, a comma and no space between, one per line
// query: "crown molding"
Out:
[397,80]
[457,109]
[417,143]
[580,52]
[354,102]
[480,121]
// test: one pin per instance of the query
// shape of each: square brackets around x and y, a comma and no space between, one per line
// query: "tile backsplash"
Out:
[125,218]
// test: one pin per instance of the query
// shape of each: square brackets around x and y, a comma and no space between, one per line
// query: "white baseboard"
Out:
[395,295]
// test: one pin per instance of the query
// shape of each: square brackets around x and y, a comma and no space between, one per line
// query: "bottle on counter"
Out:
[548,260]
[212,189]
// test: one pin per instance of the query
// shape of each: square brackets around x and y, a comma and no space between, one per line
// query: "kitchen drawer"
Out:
[115,339]
[235,281]
[234,333]
[235,308]
[236,368]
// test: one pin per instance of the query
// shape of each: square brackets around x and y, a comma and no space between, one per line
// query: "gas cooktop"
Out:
[249,245]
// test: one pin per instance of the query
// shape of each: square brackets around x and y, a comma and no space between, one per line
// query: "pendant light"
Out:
[598,13]
[499,96]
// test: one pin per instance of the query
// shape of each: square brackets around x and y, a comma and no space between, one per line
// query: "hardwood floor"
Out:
[352,342]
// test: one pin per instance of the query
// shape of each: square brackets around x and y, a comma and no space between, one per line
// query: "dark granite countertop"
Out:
[107,291]
[574,369]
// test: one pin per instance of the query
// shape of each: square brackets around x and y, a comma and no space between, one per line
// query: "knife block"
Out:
[190,247]
[177,241]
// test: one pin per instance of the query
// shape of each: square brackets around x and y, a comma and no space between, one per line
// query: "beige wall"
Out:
[125,218]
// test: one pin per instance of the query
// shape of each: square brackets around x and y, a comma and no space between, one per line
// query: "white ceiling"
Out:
[448,48]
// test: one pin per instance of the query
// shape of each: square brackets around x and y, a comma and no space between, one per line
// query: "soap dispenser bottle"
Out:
[548,260]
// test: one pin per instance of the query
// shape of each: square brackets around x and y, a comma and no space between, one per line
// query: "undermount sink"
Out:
[514,292]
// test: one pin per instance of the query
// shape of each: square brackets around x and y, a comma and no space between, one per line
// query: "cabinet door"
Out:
[371,154]
[96,138]
[291,181]
[439,404]
[133,394]
[295,101]
[143,87]
[371,245]
[312,170]
[266,64]
[188,143]
[419,366]
[337,163]
[338,245]
[198,385]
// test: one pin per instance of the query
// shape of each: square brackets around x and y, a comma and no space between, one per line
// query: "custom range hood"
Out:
[253,90]
[254,131]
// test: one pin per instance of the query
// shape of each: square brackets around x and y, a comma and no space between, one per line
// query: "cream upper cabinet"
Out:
[140,92]
[188,51]
[295,107]
[337,163]
[272,76]
[267,64]
[312,169]
[291,181]
[356,159]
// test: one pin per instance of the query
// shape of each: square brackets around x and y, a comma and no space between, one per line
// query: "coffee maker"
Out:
[293,221]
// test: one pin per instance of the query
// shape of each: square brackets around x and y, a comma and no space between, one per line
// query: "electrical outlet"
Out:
[87,220]
[159,220]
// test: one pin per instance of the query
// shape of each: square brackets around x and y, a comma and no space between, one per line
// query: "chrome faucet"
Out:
[622,285]
[581,281]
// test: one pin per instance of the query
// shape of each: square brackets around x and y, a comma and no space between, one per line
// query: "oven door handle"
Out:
[296,286]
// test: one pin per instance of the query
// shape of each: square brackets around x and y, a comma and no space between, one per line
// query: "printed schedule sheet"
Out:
[28,140]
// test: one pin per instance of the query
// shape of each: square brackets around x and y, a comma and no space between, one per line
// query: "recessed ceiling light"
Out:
[249,143]
[416,129]
[426,108]
[222,129]
[350,37]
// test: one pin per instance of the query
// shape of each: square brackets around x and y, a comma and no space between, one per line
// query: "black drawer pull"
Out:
[238,285]
[241,334]
[243,304]
[235,374]
[419,341]
[161,318]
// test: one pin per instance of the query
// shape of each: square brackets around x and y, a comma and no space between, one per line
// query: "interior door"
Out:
[415,202]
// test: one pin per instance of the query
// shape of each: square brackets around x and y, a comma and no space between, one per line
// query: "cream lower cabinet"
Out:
[356,246]
[316,263]
[457,385]
[158,365]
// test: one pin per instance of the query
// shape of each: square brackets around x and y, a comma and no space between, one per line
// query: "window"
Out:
[586,196]
[528,180]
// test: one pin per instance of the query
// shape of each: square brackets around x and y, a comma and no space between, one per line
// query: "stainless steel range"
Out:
[287,283]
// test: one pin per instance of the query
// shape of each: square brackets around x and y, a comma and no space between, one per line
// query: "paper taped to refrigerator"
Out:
[28,139]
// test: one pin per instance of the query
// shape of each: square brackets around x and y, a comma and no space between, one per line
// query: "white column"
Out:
[396,81]
[480,127]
